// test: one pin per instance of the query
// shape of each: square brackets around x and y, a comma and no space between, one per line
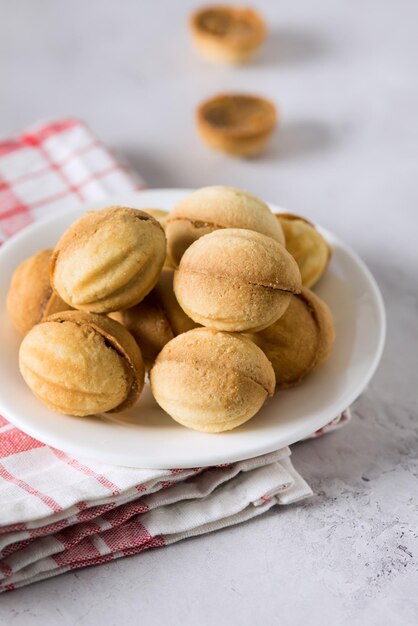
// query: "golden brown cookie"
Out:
[236,280]
[211,208]
[80,364]
[108,260]
[211,381]
[227,34]
[157,319]
[30,297]
[238,124]
[311,251]
[300,340]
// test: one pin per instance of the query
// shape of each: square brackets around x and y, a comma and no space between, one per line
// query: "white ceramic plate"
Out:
[145,436]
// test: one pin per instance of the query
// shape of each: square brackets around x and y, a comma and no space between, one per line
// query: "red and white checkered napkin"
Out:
[55,166]
[57,512]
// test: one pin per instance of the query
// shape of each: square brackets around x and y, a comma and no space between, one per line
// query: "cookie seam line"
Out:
[247,282]
[233,369]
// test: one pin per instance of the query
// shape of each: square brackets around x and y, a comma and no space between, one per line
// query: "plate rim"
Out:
[300,433]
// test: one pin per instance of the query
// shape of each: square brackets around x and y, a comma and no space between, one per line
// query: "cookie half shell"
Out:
[227,34]
[238,124]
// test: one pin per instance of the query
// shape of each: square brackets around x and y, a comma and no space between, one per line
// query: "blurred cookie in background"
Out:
[237,124]
[228,34]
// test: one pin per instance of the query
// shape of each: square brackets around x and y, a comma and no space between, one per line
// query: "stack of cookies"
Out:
[213,300]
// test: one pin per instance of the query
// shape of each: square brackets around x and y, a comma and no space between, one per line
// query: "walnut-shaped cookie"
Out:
[236,280]
[81,364]
[300,340]
[211,208]
[311,251]
[108,260]
[211,381]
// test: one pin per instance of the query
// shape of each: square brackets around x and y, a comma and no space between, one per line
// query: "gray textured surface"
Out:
[344,76]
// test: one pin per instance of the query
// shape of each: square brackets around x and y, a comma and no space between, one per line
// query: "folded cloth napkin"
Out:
[58,512]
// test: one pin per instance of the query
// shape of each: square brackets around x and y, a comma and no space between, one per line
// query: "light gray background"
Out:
[344,75]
